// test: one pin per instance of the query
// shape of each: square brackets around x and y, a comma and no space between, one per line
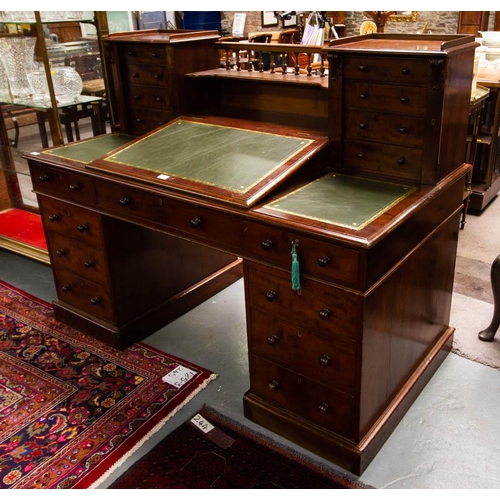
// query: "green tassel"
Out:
[295,268]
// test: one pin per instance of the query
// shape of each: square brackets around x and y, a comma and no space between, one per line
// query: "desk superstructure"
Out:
[338,349]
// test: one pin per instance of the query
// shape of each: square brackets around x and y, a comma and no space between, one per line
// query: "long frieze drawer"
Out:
[393,98]
[146,75]
[88,262]
[321,358]
[72,221]
[143,53]
[388,69]
[317,258]
[390,128]
[200,222]
[304,396]
[388,159]
[83,294]
[147,97]
[68,185]
[323,308]
[143,120]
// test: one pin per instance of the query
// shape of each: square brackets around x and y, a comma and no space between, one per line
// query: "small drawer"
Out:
[62,183]
[317,258]
[320,358]
[143,53]
[392,98]
[155,76]
[84,295]
[326,309]
[88,262]
[147,97]
[307,398]
[396,69]
[143,120]
[72,221]
[387,159]
[390,128]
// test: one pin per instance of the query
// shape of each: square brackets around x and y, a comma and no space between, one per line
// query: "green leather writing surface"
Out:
[227,157]
[343,200]
[90,149]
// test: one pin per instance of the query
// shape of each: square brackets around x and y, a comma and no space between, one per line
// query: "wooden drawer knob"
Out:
[360,156]
[158,98]
[53,217]
[323,408]
[402,130]
[155,55]
[363,96]
[82,227]
[401,160]
[95,300]
[157,77]
[325,313]
[323,261]
[124,201]
[195,222]
[137,97]
[325,360]
[66,288]
[405,71]
[363,125]
[267,244]
[271,295]
[135,75]
[131,52]
[363,67]
[273,385]
[61,252]
[44,178]
[273,339]
[404,100]
[89,263]
[75,187]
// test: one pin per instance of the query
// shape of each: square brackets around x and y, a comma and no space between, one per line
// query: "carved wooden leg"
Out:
[489,334]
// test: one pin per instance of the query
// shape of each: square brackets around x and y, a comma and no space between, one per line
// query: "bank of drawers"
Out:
[148,93]
[385,104]
[303,344]
[77,255]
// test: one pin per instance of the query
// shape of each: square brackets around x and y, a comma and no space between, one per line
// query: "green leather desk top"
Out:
[89,149]
[343,200]
[231,158]
[234,161]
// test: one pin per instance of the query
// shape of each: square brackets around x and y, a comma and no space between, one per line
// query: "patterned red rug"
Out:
[71,408]
[212,452]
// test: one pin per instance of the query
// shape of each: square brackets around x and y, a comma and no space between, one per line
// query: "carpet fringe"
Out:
[152,432]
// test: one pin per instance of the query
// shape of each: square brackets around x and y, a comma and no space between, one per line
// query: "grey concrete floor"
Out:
[449,438]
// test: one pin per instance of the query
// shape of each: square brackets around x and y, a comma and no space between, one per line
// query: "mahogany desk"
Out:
[135,242]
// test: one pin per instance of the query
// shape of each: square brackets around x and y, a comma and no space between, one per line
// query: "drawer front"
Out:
[136,74]
[307,398]
[83,294]
[87,262]
[143,53]
[143,120]
[201,223]
[68,185]
[392,98]
[320,358]
[147,97]
[393,129]
[317,258]
[413,71]
[72,221]
[323,308]
[396,161]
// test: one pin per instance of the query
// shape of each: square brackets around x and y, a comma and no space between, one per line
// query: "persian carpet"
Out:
[71,408]
[211,451]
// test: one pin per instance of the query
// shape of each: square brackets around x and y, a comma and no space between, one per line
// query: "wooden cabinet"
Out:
[398,114]
[146,70]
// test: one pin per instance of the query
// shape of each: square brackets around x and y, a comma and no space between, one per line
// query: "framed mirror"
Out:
[404,16]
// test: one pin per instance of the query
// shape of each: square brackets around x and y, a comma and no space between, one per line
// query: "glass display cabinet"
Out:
[48,81]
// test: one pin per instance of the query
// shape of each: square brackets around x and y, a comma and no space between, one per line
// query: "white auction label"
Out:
[201,423]
[163,177]
[179,376]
